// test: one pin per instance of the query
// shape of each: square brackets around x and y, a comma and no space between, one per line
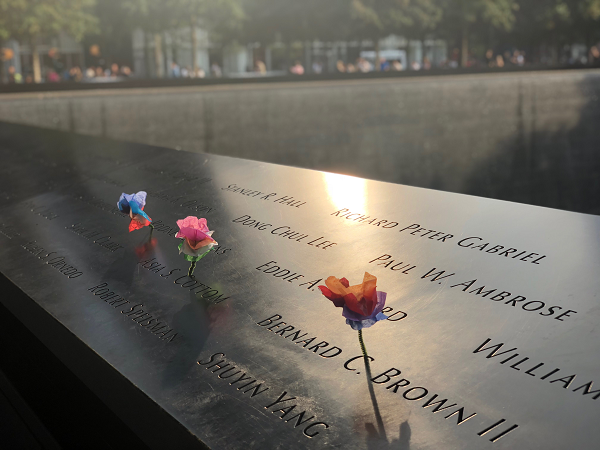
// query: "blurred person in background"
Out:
[114,70]
[75,74]
[126,71]
[384,65]
[594,53]
[340,67]
[52,76]
[363,65]
[426,63]
[215,70]
[175,70]
[471,60]
[514,58]
[453,61]
[397,66]
[317,67]
[297,69]
[489,58]
[260,67]
[14,76]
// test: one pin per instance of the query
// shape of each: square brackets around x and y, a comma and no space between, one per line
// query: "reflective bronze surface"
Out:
[533,287]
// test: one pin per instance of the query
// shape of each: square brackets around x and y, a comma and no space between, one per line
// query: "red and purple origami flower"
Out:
[133,204]
[362,303]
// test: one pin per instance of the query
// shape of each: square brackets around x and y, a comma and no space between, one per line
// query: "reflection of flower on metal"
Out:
[196,239]
[133,204]
[144,248]
[362,304]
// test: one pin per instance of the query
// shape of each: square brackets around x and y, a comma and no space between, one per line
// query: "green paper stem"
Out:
[362,346]
[192,267]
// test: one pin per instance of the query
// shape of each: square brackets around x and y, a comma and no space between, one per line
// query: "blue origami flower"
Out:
[133,204]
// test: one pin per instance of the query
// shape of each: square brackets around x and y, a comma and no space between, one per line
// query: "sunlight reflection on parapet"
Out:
[346,192]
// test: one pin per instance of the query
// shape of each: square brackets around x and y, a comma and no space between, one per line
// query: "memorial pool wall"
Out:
[531,137]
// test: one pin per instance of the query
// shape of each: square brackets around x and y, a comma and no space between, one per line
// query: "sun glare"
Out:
[346,192]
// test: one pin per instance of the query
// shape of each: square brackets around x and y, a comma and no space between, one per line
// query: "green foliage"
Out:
[522,23]
[499,14]
[221,18]
[32,18]
[556,23]
[290,20]
[151,15]
[590,9]
[11,12]
[379,18]
[162,15]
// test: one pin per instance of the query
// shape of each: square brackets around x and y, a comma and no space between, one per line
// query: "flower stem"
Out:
[362,345]
[192,267]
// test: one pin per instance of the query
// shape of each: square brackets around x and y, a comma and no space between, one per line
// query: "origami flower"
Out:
[133,204]
[197,240]
[362,303]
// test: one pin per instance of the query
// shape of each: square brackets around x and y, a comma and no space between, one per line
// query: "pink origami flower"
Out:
[197,240]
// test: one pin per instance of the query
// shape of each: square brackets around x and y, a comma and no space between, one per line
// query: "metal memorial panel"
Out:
[491,337]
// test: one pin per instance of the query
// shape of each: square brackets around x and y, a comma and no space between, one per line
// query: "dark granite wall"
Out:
[526,137]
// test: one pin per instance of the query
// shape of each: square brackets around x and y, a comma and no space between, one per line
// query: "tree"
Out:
[32,19]
[158,16]
[115,32]
[153,16]
[9,9]
[584,16]
[425,16]
[295,23]
[377,19]
[219,17]
[9,12]
[464,14]
[292,20]
[552,24]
